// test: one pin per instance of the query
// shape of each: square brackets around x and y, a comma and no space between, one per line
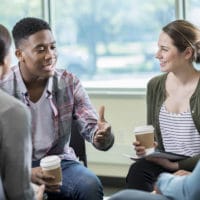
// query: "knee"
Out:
[90,188]
[140,165]
[124,194]
[136,172]
[134,168]
[93,183]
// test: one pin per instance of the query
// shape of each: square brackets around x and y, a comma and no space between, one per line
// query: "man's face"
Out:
[37,55]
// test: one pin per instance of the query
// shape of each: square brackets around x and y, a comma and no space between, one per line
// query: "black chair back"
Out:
[77,142]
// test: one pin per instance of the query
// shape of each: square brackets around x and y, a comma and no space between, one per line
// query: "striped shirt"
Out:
[179,133]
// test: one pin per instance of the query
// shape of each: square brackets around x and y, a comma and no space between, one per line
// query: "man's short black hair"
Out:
[26,27]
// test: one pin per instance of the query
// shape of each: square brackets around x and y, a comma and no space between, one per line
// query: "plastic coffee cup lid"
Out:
[49,161]
[144,129]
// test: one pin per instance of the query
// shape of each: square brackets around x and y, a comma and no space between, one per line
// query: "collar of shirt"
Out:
[24,92]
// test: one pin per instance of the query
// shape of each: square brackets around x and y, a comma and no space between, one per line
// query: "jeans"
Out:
[136,195]
[78,183]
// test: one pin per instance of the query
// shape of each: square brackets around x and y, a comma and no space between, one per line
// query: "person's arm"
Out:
[180,187]
[93,128]
[16,151]
[103,138]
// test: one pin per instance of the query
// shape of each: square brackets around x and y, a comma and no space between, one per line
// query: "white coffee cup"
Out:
[51,166]
[145,135]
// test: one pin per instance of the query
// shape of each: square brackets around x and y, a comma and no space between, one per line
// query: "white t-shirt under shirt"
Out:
[43,130]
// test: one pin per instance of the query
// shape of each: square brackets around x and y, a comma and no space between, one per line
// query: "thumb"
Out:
[101,114]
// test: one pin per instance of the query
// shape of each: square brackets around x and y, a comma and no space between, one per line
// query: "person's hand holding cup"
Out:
[144,143]
[51,167]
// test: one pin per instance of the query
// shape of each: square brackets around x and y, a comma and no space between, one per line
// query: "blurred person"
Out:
[55,98]
[173,106]
[15,137]
[179,186]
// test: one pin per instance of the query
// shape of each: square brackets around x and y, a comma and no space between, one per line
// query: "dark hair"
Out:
[26,27]
[184,34]
[5,43]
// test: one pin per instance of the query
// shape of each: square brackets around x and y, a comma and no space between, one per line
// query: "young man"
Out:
[55,98]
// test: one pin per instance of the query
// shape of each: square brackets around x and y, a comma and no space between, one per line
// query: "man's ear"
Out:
[19,55]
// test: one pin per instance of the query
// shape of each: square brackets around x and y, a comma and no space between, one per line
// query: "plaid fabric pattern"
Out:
[69,101]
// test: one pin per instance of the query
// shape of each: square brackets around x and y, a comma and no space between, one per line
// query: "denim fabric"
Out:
[181,187]
[136,195]
[78,183]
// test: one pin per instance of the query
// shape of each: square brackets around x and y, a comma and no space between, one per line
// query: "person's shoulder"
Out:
[157,79]
[9,102]
[64,74]
[9,74]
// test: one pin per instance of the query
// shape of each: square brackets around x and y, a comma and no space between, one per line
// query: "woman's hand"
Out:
[182,173]
[140,150]
[156,190]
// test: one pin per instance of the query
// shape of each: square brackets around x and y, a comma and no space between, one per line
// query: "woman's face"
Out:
[170,58]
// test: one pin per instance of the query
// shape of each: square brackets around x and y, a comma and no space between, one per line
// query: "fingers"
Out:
[140,150]
[101,135]
[104,128]
[136,143]
[40,192]
[182,173]
[48,178]
[156,190]
[53,188]
[101,114]
[38,177]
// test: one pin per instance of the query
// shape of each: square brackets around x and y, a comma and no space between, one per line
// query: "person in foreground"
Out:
[15,137]
[168,187]
[173,106]
[55,98]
